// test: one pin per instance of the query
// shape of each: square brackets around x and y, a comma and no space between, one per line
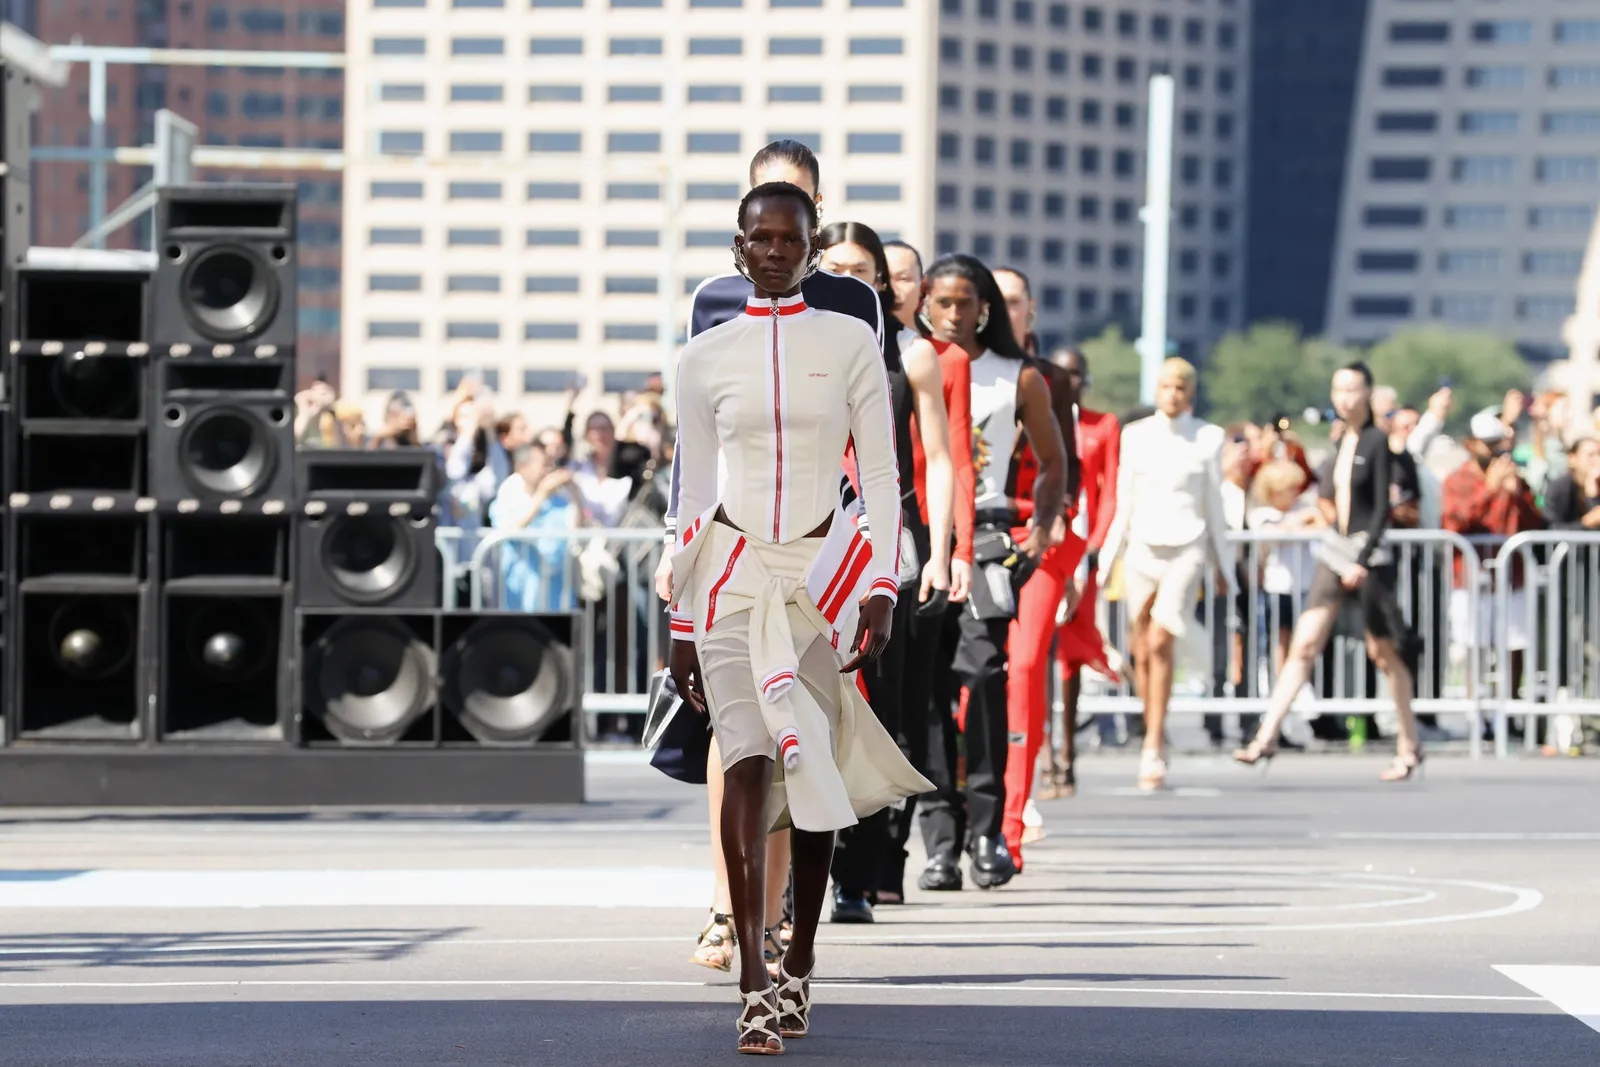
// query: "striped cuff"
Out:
[681,625]
[889,587]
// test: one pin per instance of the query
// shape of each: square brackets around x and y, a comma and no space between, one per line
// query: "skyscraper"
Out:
[1473,171]
[535,186]
[247,107]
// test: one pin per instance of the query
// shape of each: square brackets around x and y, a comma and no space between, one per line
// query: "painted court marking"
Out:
[1575,990]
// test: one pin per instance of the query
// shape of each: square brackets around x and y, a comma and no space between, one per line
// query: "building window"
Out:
[1573,77]
[1463,307]
[388,93]
[1056,62]
[1497,77]
[950,98]
[1221,220]
[635,46]
[399,46]
[1188,262]
[1407,121]
[1122,259]
[983,150]
[1123,212]
[1021,59]
[633,238]
[711,191]
[944,242]
[1126,116]
[988,55]
[1089,208]
[794,46]
[631,286]
[550,283]
[1419,32]
[1479,170]
[1058,16]
[1189,170]
[633,191]
[885,192]
[400,142]
[716,94]
[1400,169]
[630,331]
[983,245]
[877,46]
[1053,251]
[1477,217]
[984,101]
[1387,262]
[712,143]
[476,191]
[1089,112]
[634,94]
[1089,160]
[1567,170]
[1562,218]
[1572,122]
[716,46]
[1017,249]
[1545,308]
[875,94]
[1577,31]
[564,141]
[949,147]
[1088,254]
[1093,66]
[1380,306]
[549,331]
[552,238]
[1123,165]
[1413,77]
[474,236]
[394,329]
[553,191]
[394,235]
[555,94]
[394,283]
[1564,264]
[1088,300]
[950,50]
[1187,308]
[1221,310]
[1021,154]
[388,379]
[477,46]
[633,141]
[472,331]
[793,94]
[555,46]
[1386,217]
[1488,122]
[472,283]
[948,196]
[1127,71]
[475,141]
[1055,206]
[1020,203]
[477,94]
[395,190]
[1021,106]
[1503,31]
[1055,108]
[1193,77]
[983,199]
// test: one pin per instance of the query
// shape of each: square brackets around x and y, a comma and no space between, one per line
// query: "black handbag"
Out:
[677,737]
[999,571]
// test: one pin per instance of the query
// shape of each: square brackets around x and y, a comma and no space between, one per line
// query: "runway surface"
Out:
[1307,917]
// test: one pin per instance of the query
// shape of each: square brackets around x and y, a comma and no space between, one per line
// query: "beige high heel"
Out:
[1152,772]
[759,1017]
[1402,768]
[794,1004]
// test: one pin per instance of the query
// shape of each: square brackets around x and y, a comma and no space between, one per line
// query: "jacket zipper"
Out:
[777,420]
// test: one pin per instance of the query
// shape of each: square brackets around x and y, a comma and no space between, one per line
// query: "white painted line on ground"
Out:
[1575,990]
[1180,791]
[1009,988]
[574,887]
[1475,835]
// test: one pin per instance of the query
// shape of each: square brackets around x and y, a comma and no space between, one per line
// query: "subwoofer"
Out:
[367,536]
[368,679]
[510,679]
[225,267]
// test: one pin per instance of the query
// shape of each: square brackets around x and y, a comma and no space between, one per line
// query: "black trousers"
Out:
[976,653]
[860,851]
[921,635]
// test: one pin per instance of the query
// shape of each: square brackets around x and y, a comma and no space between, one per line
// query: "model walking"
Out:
[1169,529]
[770,578]
[1355,563]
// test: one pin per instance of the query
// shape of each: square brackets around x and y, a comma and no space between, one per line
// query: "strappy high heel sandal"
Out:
[1256,752]
[1402,768]
[794,1004]
[772,949]
[759,1018]
[714,947]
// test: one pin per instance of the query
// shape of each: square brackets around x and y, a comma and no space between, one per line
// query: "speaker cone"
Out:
[371,679]
[371,558]
[91,639]
[509,679]
[96,387]
[226,451]
[229,293]
[229,641]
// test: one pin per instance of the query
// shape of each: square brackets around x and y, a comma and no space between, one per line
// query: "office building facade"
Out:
[244,107]
[1473,172]
[533,189]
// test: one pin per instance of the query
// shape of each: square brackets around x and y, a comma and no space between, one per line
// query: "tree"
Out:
[1266,371]
[1479,368]
[1113,372]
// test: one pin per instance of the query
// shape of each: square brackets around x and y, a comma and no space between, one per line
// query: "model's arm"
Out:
[927,387]
[957,375]
[700,319]
[697,444]
[1044,435]
[872,426]
[1216,511]
[1061,404]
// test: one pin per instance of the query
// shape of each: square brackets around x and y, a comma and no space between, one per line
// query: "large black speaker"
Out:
[367,536]
[223,430]
[225,625]
[226,267]
[510,679]
[368,678]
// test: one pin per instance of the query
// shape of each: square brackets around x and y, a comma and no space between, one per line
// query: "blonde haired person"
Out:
[1170,527]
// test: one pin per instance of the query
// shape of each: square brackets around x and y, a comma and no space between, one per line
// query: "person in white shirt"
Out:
[770,576]
[537,495]
[1169,528]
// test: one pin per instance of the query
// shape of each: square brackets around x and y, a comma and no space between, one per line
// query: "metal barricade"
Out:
[1249,635]
[608,574]
[1545,630]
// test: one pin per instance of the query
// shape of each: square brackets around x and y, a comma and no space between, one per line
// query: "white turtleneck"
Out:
[1169,487]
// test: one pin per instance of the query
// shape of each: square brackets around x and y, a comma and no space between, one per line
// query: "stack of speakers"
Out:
[195,613]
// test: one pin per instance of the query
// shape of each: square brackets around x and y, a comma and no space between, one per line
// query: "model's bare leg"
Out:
[1159,647]
[777,875]
[744,846]
[1311,633]
[1386,654]
[721,901]
[813,855]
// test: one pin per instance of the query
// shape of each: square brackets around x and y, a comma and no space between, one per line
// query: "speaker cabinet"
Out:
[80,625]
[16,93]
[225,611]
[367,678]
[223,430]
[81,305]
[367,538]
[80,407]
[226,266]
[510,679]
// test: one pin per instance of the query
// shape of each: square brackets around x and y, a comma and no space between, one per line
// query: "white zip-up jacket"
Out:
[781,390]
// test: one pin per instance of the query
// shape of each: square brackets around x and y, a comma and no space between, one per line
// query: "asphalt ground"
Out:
[1308,916]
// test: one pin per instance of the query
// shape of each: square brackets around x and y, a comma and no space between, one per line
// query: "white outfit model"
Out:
[781,390]
[1171,522]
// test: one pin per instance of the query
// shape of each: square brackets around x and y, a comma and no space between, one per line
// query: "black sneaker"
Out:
[850,906]
[940,876]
